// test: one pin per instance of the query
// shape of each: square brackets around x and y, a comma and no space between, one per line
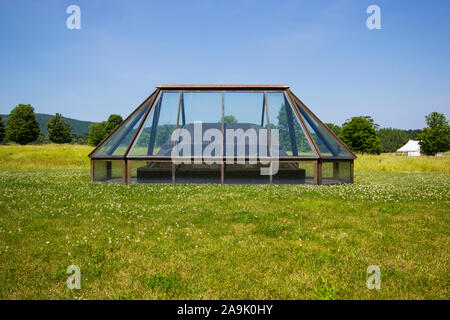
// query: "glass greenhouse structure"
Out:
[222,134]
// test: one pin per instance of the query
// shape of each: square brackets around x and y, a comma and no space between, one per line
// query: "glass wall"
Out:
[336,172]
[326,144]
[160,171]
[201,121]
[154,138]
[245,114]
[119,142]
[294,172]
[223,138]
[108,171]
[150,171]
[292,139]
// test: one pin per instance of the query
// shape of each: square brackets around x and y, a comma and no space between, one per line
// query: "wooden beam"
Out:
[92,171]
[222,86]
[222,165]
[108,169]
[351,172]
[318,172]
[336,170]
[128,171]
[124,172]
[269,136]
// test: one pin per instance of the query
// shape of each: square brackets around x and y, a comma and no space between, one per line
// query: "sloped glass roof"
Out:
[150,132]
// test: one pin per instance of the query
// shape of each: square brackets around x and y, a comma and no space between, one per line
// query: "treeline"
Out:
[23,128]
[391,139]
[362,134]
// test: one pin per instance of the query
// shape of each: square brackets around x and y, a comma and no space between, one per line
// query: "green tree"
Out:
[436,137]
[413,133]
[359,134]
[392,139]
[2,130]
[334,127]
[80,138]
[59,129]
[229,119]
[22,126]
[97,132]
[113,121]
[284,136]
[163,134]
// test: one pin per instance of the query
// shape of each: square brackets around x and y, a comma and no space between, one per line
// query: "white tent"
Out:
[412,148]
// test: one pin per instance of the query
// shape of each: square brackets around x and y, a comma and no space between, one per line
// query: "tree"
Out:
[59,130]
[334,127]
[80,138]
[2,130]
[392,139]
[229,119]
[99,131]
[436,137]
[284,132]
[22,126]
[113,121]
[359,135]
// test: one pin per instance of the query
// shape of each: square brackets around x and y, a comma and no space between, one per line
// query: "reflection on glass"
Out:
[154,139]
[245,111]
[292,139]
[119,143]
[325,142]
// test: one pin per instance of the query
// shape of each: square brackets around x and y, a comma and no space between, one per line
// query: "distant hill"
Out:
[79,127]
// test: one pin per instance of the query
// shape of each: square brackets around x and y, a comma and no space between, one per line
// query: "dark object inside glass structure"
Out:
[222,134]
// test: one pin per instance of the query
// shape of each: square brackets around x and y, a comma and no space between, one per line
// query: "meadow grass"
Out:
[68,156]
[389,162]
[48,156]
[223,242]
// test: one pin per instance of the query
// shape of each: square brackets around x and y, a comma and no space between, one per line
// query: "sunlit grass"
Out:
[48,156]
[388,162]
[53,156]
[212,241]
[196,242]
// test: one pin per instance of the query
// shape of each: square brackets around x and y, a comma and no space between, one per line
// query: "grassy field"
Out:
[49,156]
[241,242]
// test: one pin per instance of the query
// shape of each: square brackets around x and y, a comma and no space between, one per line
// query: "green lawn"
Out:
[242,242]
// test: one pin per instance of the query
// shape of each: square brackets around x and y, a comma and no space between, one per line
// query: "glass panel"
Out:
[202,106]
[335,172]
[154,139]
[108,171]
[292,139]
[150,171]
[291,172]
[246,111]
[120,141]
[327,170]
[205,109]
[344,171]
[325,142]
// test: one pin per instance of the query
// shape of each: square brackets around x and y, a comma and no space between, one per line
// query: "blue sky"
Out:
[322,49]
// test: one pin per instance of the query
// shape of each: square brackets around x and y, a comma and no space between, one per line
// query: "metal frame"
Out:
[293,101]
